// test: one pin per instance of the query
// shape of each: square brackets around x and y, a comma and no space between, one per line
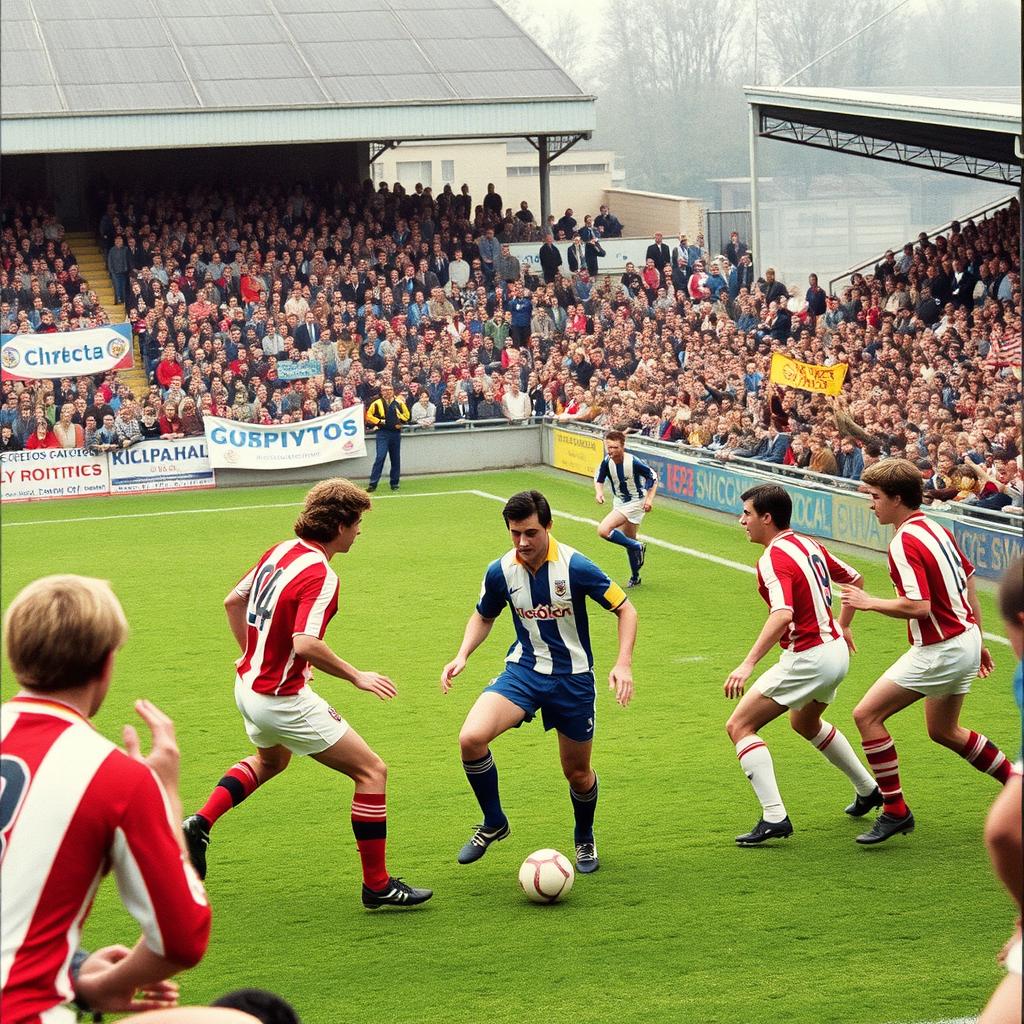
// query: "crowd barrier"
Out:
[75,473]
[821,510]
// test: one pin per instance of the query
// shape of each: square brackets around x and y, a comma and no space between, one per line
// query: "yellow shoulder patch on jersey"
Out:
[614,595]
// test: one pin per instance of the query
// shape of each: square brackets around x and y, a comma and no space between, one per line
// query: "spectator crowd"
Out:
[270,306]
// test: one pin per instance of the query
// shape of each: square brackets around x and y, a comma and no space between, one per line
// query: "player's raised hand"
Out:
[450,671]
[855,597]
[374,682]
[97,985]
[164,758]
[987,664]
[620,679]
[737,680]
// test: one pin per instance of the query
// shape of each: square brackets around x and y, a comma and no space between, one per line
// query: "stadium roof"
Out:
[972,132]
[146,74]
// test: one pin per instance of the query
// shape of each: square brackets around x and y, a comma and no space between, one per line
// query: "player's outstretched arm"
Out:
[477,630]
[771,633]
[234,606]
[859,599]
[620,679]
[987,664]
[321,657]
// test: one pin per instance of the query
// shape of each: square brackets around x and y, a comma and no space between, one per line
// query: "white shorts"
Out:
[942,669]
[304,722]
[632,510]
[802,676]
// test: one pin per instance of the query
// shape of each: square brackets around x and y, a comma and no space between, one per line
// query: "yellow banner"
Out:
[826,380]
[577,453]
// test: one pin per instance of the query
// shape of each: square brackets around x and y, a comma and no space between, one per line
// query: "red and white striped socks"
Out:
[885,763]
[987,757]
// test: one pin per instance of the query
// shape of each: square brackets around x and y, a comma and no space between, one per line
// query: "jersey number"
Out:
[261,606]
[14,780]
[823,578]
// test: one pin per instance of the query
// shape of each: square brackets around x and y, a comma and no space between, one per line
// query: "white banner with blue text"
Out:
[183,464]
[66,353]
[233,445]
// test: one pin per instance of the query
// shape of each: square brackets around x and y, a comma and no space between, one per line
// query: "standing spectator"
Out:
[550,259]
[85,808]
[119,265]
[387,414]
[736,249]
[816,301]
[657,251]
[850,459]
[566,224]
[423,412]
[608,224]
[493,202]
[770,288]
[521,308]
[170,422]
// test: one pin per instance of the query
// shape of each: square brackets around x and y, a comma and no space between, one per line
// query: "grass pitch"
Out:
[678,925]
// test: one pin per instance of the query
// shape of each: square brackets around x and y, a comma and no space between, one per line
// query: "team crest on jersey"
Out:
[561,588]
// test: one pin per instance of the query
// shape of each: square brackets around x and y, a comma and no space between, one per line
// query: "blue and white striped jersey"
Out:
[549,610]
[631,479]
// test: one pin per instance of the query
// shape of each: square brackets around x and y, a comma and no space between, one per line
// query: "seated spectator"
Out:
[67,432]
[42,437]
[423,412]
[170,422]
[149,428]
[127,425]
[8,442]
[191,419]
[105,438]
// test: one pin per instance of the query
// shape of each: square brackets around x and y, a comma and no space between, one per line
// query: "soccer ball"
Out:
[546,876]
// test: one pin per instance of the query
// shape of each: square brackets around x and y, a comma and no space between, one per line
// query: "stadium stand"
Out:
[222,289]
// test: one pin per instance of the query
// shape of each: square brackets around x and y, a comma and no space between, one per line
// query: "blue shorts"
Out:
[566,703]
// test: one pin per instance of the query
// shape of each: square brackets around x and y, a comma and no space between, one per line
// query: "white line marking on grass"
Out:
[656,541]
[224,508]
[688,659]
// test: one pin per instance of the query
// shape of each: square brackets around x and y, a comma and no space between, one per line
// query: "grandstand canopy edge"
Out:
[970,132]
[289,90]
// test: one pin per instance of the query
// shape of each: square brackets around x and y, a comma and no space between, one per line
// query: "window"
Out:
[447,172]
[414,172]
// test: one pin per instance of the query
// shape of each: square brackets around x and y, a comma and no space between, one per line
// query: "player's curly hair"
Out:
[896,478]
[330,504]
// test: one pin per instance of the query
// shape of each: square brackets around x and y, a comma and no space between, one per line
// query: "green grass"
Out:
[679,925]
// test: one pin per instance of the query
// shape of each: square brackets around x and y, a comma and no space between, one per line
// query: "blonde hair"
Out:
[330,504]
[59,630]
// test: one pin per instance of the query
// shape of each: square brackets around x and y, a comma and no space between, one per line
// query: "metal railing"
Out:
[982,211]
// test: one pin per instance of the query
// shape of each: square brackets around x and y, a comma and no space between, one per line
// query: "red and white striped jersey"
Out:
[926,564]
[73,806]
[796,572]
[291,590]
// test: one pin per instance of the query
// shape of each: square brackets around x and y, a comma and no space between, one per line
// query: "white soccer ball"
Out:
[546,876]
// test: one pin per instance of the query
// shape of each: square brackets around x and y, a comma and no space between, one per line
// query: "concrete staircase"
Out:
[93,268]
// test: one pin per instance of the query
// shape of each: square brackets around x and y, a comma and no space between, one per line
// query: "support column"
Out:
[755,215]
[545,181]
